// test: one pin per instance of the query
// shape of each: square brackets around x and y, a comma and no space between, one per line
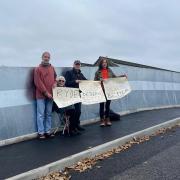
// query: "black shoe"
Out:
[65,133]
[73,133]
[76,131]
[49,135]
[80,128]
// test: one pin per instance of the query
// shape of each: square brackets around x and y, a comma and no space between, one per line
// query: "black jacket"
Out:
[73,75]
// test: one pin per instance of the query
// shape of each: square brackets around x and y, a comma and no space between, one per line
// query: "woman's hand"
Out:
[124,75]
[104,80]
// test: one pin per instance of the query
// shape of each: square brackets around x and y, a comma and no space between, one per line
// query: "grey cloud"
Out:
[146,32]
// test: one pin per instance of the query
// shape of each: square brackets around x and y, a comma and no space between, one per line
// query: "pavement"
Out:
[157,159]
[28,155]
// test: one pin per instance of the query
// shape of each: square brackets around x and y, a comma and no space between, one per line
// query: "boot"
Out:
[108,122]
[102,124]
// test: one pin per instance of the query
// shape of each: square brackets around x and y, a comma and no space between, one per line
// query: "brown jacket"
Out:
[98,74]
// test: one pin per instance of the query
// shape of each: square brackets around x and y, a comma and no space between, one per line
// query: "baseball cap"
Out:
[77,62]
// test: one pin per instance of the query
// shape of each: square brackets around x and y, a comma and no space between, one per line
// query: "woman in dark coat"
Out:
[67,112]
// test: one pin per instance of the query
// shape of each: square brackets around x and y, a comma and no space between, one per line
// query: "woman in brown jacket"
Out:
[102,74]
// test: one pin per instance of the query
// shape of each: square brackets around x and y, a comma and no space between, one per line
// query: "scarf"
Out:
[45,63]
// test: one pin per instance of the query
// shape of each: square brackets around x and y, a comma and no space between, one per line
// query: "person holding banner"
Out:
[73,77]
[66,113]
[45,80]
[102,74]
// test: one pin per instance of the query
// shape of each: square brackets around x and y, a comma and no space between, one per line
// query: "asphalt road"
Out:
[157,159]
[25,156]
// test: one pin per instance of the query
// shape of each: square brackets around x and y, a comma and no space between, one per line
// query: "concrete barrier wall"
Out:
[151,88]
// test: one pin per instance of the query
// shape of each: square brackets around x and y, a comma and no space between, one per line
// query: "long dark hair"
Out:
[101,62]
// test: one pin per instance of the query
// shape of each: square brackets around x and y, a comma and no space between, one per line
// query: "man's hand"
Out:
[48,95]
[55,85]
[77,81]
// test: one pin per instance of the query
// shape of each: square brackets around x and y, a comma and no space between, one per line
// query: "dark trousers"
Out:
[104,106]
[77,114]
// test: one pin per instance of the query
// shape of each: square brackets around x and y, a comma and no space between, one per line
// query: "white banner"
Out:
[92,92]
[64,96]
[116,88]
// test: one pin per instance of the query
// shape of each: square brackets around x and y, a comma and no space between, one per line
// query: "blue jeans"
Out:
[44,115]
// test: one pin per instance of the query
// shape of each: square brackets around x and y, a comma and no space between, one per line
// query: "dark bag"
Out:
[114,116]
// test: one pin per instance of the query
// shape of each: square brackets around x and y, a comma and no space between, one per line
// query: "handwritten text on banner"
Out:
[116,88]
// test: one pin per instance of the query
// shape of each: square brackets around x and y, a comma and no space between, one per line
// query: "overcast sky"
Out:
[146,32]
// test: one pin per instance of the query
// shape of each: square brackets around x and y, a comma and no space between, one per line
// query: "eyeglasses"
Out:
[61,81]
